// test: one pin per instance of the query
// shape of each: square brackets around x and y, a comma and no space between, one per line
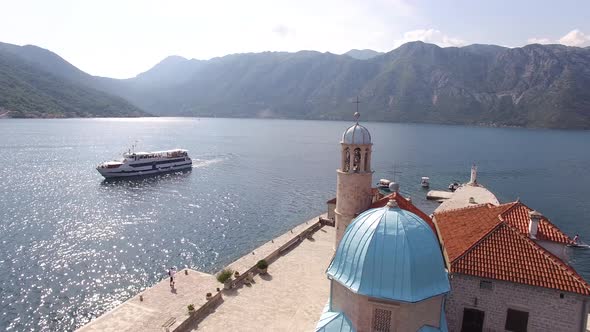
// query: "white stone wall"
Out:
[547,311]
[405,316]
[558,249]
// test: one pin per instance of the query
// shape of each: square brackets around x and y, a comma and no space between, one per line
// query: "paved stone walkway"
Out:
[460,198]
[290,298]
[251,258]
[160,304]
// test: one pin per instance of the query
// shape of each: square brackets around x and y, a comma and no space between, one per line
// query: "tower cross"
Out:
[357,114]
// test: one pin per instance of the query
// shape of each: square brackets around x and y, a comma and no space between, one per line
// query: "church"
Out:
[479,266]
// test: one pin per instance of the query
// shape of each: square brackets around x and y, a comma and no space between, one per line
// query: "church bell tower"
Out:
[354,177]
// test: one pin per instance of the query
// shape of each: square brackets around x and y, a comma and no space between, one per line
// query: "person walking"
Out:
[172,274]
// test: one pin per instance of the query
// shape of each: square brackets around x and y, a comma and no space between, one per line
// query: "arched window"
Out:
[346,166]
[357,160]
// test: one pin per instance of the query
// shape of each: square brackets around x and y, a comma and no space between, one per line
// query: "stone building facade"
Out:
[503,278]
[547,309]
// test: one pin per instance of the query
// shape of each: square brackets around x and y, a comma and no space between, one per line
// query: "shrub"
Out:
[191,307]
[262,264]
[224,275]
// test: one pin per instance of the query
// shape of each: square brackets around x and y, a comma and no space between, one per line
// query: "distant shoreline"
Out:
[482,125]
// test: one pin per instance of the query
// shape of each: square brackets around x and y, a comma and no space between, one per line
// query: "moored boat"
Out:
[383,183]
[146,163]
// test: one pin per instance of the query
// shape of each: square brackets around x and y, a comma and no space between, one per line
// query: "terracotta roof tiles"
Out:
[462,228]
[404,204]
[490,241]
[518,217]
[507,255]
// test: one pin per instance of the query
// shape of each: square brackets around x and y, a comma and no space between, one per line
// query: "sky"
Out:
[122,38]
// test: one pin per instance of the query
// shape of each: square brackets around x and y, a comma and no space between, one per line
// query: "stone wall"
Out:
[404,316]
[199,314]
[558,249]
[547,311]
[331,208]
[354,196]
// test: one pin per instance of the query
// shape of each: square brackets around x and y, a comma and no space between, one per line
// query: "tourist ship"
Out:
[146,163]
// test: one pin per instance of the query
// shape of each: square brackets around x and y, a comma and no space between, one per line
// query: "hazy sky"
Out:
[121,38]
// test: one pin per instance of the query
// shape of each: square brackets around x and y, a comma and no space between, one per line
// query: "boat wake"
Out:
[200,163]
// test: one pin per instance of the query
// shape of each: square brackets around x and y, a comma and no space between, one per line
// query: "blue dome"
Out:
[356,134]
[390,253]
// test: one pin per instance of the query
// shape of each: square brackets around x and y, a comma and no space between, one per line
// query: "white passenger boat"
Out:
[146,163]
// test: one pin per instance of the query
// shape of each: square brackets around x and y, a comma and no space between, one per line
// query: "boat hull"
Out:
[127,172]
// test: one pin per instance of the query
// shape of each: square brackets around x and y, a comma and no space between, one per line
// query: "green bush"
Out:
[191,307]
[262,264]
[224,275]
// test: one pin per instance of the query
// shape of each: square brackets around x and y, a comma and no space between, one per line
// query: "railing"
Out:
[295,241]
[191,322]
[194,318]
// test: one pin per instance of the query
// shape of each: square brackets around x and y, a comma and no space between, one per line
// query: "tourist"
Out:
[172,273]
[576,239]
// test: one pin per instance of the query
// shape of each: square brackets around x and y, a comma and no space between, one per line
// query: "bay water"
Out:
[73,245]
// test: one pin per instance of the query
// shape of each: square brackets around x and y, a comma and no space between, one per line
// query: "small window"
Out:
[472,320]
[517,320]
[485,284]
[381,320]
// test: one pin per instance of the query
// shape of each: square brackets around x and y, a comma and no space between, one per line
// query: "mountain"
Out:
[545,86]
[35,82]
[362,54]
[532,86]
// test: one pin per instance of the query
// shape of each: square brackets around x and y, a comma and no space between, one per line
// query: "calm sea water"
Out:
[73,246]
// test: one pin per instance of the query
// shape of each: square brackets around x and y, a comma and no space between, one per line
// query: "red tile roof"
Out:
[518,216]
[506,254]
[462,228]
[485,241]
[404,204]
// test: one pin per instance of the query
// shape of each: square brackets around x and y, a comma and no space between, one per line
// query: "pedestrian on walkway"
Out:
[172,275]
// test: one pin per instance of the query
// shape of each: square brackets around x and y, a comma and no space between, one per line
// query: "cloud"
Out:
[535,40]
[282,30]
[575,38]
[572,38]
[432,36]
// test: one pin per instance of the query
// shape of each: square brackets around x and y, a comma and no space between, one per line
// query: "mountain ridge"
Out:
[531,86]
[37,83]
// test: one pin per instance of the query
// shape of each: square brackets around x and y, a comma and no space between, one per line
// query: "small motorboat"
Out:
[579,244]
[425,182]
[383,183]
[454,186]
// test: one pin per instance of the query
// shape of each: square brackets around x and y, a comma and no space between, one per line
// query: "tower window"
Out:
[367,162]
[346,166]
[357,160]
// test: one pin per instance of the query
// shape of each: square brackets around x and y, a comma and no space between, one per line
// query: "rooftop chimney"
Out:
[534,218]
